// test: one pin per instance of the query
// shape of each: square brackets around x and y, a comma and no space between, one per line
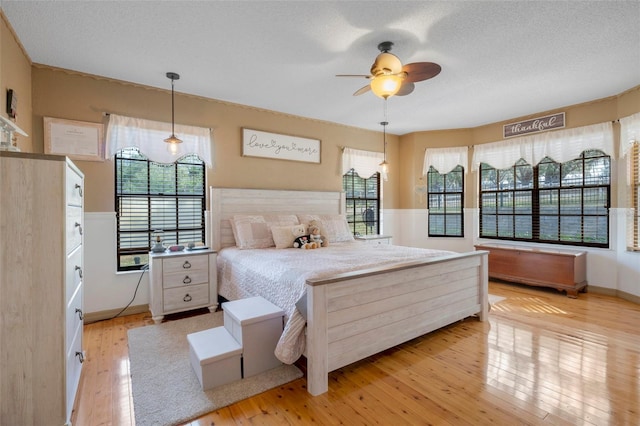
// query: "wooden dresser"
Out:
[181,281]
[564,270]
[41,287]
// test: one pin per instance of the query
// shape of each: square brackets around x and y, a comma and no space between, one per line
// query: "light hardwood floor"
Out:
[542,358]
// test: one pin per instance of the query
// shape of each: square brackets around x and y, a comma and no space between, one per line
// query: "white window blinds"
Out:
[560,145]
[364,163]
[148,137]
[445,159]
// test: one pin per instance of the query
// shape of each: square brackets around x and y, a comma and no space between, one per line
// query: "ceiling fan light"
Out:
[386,85]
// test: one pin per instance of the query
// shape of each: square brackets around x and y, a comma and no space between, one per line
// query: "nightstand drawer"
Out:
[185,278]
[183,298]
[185,264]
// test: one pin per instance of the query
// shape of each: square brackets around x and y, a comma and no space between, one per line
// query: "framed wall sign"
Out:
[256,143]
[79,140]
[535,125]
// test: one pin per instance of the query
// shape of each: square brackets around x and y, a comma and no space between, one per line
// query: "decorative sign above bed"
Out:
[540,124]
[256,143]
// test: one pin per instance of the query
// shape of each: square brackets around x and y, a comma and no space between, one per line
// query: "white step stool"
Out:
[257,325]
[215,357]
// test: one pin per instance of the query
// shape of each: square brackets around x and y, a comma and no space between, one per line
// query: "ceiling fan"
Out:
[389,77]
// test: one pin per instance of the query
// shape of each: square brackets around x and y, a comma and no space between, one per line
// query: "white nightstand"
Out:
[374,239]
[182,280]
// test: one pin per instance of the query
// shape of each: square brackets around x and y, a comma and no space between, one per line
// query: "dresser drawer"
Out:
[74,227]
[74,368]
[183,298]
[185,263]
[73,316]
[73,274]
[75,188]
[188,277]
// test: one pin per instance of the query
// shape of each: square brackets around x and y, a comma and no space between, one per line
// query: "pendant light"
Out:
[173,140]
[384,164]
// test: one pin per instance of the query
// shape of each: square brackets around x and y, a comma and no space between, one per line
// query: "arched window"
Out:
[558,203]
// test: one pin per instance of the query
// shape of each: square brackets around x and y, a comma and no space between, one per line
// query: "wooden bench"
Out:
[564,270]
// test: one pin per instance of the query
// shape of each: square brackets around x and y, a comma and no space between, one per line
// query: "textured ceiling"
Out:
[499,60]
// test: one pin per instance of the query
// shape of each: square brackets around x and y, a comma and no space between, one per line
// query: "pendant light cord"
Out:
[173,132]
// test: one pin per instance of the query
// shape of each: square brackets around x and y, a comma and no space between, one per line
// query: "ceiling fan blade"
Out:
[406,88]
[419,71]
[362,90]
[353,75]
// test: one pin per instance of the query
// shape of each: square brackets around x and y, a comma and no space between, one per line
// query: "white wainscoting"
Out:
[106,290]
[615,269]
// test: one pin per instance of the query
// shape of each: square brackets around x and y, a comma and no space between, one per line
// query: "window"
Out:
[445,202]
[152,196]
[362,202]
[634,228]
[558,203]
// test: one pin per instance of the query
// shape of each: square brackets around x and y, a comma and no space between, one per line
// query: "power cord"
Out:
[144,268]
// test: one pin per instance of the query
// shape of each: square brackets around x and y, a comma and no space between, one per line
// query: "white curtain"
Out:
[365,163]
[148,136]
[560,145]
[629,133]
[445,159]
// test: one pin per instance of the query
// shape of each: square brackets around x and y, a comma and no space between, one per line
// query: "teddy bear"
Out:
[316,236]
[304,241]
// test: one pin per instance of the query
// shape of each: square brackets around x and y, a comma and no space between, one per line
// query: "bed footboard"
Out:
[355,315]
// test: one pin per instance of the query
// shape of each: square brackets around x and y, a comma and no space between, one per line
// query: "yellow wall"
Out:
[412,146]
[69,95]
[15,73]
[76,96]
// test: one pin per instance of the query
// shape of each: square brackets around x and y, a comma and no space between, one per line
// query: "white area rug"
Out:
[166,390]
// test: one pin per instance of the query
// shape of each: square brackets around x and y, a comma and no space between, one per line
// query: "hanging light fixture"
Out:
[384,164]
[387,72]
[386,85]
[173,140]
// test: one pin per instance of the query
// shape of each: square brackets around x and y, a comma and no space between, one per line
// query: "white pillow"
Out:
[283,236]
[253,229]
[251,232]
[334,227]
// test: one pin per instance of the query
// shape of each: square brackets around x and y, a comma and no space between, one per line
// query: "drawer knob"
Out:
[186,280]
[80,356]
[79,269]
[80,314]
[79,188]
[186,264]
[187,298]
[79,226]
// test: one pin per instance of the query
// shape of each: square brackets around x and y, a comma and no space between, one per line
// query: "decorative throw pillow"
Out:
[283,236]
[333,226]
[251,232]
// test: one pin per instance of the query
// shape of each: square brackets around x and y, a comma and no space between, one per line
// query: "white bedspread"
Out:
[279,275]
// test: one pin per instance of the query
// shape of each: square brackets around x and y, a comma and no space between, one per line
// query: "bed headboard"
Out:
[227,202]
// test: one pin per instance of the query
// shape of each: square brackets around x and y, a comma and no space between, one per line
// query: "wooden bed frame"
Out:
[355,315]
